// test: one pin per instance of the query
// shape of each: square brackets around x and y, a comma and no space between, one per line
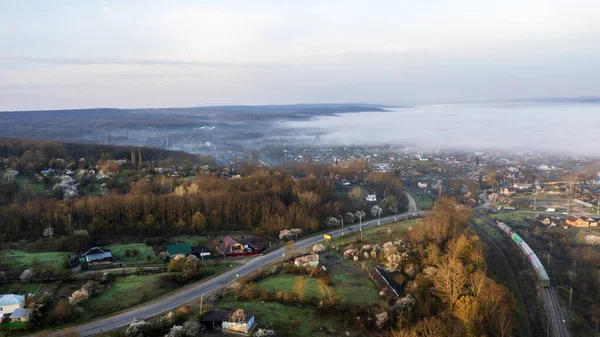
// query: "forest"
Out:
[115,191]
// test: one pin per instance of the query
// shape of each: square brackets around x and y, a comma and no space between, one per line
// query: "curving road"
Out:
[186,295]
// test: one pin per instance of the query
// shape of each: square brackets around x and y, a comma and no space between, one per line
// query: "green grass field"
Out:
[356,290]
[287,282]
[349,288]
[119,252]
[16,259]
[125,292]
[132,290]
[12,325]
[515,219]
[375,233]
[287,320]
[423,202]
[23,288]
[23,181]
[192,240]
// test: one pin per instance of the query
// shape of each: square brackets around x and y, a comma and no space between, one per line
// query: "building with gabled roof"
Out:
[96,254]
[179,248]
[9,303]
[239,321]
[20,315]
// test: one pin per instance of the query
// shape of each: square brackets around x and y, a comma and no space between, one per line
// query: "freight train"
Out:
[535,262]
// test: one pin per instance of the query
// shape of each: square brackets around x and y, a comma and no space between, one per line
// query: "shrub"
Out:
[79,296]
[27,275]
[63,312]
[92,288]
[318,248]
[135,329]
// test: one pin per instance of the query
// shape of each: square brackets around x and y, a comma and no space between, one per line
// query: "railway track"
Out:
[513,269]
[554,312]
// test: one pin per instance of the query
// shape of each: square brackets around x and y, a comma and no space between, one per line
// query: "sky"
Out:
[158,53]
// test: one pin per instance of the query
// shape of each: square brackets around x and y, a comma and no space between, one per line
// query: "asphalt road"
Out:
[192,293]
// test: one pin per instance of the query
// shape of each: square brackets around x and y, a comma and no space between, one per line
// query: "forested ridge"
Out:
[110,190]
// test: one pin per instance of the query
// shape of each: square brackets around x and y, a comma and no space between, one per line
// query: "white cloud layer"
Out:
[155,53]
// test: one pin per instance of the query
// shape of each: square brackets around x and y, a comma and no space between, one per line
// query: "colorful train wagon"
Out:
[533,259]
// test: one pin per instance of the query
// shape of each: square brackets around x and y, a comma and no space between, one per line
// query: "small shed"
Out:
[380,278]
[215,318]
[20,315]
[200,251]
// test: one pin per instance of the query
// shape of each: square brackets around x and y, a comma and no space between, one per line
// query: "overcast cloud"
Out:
[78,54]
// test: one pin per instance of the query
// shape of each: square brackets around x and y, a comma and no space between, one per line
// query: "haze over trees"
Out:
[173,193]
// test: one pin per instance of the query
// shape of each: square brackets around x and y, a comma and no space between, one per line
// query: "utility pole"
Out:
[534,203]
[201,302]
[360,224]
[570,298]
[342,218]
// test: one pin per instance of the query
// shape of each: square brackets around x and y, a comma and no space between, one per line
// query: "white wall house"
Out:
[9,303]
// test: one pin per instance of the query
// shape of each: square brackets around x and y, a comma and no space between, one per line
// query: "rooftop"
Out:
[10,299]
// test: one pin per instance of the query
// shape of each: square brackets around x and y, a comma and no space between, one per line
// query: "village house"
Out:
[311,260]
[96,255]
[179,248]
[88,257]
[580,221]
[187,249]
[238,321]
[9,303]
[241,247]
[508,191]
[371,198]
[231,246]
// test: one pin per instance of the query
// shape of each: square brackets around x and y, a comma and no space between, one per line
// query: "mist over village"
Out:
[299,168]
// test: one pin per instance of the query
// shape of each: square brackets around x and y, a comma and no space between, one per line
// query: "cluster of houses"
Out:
[12,310]
[582,221]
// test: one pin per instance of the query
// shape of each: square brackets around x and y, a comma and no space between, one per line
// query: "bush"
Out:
[79,296]
[27,275]
[135,329]
[63,312]
[318,248]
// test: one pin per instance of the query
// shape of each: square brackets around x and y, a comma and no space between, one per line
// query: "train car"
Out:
[537,264]
[531,256]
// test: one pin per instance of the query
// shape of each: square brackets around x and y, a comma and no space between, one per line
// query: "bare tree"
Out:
[450,280]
